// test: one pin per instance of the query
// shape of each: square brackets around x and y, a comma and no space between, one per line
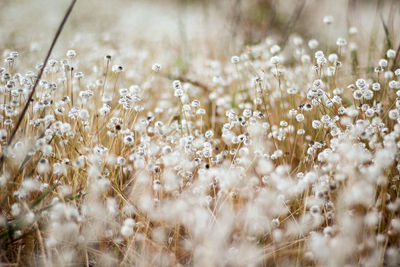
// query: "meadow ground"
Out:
[200,133]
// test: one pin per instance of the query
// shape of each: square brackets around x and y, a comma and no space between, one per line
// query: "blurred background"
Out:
[187,30]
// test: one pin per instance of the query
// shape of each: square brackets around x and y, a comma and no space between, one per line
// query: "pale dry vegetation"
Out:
[194,133]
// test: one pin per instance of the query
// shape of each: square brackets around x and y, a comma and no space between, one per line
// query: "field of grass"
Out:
[200,133]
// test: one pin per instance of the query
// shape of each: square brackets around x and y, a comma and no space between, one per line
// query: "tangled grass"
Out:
[284,155]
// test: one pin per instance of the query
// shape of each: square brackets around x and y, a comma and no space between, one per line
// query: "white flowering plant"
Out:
[285,153]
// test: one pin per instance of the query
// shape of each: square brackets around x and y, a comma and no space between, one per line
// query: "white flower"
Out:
[275,60]
[71,53]
[117,68]
[235,59]
[275,49]
[328,19]
[316,124]
[312,44]
[391,53]
[156,67]
[84,114]
[383,63]
[299,117]
[341,42]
